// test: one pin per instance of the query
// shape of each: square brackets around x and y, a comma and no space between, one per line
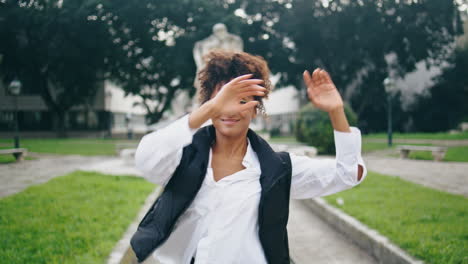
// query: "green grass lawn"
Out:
[429,224]
[373,146]
[447,136]
[459,154]
[421,155]
[289,139]
[80,146]
[366,146]
[76,218]
[10,159]
[442,135]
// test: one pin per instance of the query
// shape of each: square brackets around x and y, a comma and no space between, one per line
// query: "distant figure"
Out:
[221,39]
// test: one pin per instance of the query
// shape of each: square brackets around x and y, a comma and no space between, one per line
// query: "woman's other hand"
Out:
[228,98]
[322,91]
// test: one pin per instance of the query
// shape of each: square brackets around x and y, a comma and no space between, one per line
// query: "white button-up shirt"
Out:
[221,224]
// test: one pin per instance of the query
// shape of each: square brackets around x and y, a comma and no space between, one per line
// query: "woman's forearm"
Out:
[338,120]
[200,115]
[159,152]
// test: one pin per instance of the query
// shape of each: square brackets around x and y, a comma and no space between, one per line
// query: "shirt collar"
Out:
[250,159]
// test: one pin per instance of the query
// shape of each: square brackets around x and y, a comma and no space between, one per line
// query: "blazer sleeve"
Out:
[314,177]
[159,153]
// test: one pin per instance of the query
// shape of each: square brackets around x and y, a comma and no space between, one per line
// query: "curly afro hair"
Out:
[223,66]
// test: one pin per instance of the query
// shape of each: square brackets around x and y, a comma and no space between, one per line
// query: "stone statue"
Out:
[221,39]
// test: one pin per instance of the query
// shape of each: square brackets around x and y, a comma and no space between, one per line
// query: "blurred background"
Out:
[91,67]
[81,81]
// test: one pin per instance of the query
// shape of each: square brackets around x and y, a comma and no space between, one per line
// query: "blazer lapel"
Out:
[271,164]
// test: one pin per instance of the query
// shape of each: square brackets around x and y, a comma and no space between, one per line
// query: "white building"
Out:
[105,116]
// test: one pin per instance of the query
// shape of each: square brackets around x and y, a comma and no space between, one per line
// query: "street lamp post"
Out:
[389,85]
[15,90]
[110,117]
[128,120]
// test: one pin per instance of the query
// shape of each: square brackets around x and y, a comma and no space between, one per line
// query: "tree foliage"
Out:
[54,50]
[314,128]
[446,104]
[146,45]
[154,42]
[362,42]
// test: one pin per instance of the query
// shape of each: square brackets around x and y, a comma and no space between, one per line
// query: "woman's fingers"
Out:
[246,83]
[323,76]
[251,80]
[240,78]
[252,90]
[248,105]
[244,80]
[318,77]
[315,77]
[251,93]
[239,88]
[327,76]
[252,87]
[307,78]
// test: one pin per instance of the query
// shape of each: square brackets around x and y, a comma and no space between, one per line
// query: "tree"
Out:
[55,49]
[146,45]
[445,106]
[354,41]
[153,43]
[351,39]
[314,128]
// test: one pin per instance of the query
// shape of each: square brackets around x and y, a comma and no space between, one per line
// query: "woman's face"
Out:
[233,124]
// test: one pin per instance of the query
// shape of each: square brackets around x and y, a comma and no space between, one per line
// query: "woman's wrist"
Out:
[339,120]
[337,110]
[211,107]
[202,114]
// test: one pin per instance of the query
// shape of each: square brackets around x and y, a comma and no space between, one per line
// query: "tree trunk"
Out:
[156,115]
[58,113]
[60,125]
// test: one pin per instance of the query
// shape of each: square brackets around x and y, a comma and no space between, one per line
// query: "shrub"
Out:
[314,128]
[275,132]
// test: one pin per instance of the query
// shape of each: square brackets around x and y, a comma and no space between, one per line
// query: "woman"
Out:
[226,192]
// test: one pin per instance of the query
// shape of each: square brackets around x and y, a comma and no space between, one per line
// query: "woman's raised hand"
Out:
[228,98]
[321,90]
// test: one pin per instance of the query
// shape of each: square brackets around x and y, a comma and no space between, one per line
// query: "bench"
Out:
[121,146]
[438,153]
[301,150]
[18,153]
[304,151]
[128,155]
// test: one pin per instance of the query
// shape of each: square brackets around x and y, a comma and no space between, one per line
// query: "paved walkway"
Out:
[311,240]
[438,142]
[445,176]
[15,177]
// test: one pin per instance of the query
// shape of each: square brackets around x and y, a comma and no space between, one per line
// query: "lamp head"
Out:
[15,87]
[389,85]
